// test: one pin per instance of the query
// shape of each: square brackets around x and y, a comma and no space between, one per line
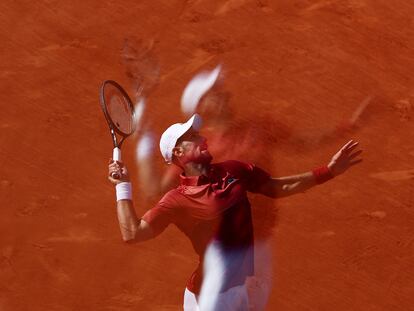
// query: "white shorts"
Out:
[234,299]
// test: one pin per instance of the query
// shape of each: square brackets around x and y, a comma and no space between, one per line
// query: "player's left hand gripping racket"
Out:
[119,113]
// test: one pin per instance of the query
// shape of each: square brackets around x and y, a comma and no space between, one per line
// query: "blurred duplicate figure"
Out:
[211,208]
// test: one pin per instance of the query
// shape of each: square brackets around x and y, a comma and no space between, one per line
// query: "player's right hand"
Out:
[119,168]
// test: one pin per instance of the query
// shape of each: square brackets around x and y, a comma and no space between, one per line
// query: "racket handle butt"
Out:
[115,176]
[116,154]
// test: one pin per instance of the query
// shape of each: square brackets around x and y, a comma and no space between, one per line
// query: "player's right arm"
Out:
[132,228]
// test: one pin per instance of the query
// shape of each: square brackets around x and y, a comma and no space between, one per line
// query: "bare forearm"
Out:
[304,177]
[289,185]
[128,220]
[132,228]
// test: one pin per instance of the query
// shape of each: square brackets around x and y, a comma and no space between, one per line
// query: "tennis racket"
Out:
[119,113]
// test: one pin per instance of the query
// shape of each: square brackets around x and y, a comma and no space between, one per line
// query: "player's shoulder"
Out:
[170,198]
[234,166]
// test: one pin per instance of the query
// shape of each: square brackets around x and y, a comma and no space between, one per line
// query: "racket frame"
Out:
[116,155]
[112,127]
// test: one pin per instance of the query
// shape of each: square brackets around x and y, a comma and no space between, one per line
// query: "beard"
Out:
[204,158]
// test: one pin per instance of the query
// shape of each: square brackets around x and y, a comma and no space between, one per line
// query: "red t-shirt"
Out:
[214,207]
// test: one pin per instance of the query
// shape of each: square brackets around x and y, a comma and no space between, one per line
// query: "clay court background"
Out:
[295,74]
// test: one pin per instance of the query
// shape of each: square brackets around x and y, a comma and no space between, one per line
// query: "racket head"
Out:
[117,107]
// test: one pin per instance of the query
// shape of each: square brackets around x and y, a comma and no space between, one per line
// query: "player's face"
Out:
[194,147]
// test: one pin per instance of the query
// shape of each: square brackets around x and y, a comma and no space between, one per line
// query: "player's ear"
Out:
[178,151]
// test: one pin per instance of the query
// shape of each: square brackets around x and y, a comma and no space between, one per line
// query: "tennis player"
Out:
[210,206]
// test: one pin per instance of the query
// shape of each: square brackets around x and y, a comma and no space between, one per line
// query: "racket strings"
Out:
[119,109]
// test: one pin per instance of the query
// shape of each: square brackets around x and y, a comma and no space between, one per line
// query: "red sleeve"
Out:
[161,215]
[256,177]
[253,176]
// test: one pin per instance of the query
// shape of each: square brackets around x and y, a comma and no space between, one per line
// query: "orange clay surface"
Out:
[300,79]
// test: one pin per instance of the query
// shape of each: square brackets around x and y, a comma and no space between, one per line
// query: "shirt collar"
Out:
[198,180]
[194,180]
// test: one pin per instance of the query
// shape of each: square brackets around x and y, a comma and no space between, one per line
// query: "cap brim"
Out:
[194,122]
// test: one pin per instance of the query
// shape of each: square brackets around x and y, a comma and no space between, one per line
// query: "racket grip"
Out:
[116,156]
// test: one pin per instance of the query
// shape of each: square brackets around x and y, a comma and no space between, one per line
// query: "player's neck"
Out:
[195,169]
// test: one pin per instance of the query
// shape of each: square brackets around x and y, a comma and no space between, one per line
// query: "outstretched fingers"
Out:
[346,146]
[355,154]
[353,158]
[351,145]
[351,163]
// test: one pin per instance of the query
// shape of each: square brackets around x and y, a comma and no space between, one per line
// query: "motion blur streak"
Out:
[252,296]
[214,277]
[196,88]
[138,113]
[144,152]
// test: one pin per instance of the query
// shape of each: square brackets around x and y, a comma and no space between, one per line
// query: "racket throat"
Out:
[114,140]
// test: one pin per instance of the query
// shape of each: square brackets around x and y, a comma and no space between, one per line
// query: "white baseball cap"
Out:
[174,132]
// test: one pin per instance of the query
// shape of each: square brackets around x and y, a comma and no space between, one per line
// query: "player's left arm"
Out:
[289,185]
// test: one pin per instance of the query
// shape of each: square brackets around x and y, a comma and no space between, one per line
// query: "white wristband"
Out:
[123,191]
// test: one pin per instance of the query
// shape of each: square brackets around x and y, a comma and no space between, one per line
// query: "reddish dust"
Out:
[300,78]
